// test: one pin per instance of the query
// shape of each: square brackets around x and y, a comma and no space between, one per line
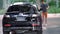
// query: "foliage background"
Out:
[52,3]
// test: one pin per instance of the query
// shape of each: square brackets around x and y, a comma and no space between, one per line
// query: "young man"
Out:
[44,8]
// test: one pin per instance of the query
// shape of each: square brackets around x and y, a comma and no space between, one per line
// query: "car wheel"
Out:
[12,32]
[5,32]
[39,32]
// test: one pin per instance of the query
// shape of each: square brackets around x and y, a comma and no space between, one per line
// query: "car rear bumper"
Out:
[21,28]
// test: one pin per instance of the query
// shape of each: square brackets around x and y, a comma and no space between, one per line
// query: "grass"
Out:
[53,10]
[2,11]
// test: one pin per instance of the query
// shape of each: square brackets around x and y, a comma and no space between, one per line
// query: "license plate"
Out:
[20,19]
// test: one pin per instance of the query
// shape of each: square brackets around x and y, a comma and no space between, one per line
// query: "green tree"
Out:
[52,3]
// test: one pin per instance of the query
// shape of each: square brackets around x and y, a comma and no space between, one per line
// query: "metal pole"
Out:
[38,3]
[57,3]
[9,3]
[47,1]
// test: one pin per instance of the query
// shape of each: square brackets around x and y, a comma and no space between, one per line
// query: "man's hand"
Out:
[47,7]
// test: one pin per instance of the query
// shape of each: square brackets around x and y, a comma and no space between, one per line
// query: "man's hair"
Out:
[42,0]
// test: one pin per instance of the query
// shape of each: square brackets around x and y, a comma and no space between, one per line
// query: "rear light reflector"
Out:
[7,25]
[35,24]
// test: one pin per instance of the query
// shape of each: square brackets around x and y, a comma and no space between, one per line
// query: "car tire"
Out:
[40,26]
[39,32]
[5,32]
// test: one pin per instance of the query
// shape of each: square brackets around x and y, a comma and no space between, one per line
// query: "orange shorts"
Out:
[44,14]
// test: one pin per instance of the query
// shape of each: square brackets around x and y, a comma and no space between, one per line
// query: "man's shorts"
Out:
[44,14]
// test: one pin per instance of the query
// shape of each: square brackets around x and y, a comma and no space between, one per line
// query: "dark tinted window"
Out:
[21,8]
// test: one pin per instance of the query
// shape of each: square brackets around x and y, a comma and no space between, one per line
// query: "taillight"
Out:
[7,25]
[35,24]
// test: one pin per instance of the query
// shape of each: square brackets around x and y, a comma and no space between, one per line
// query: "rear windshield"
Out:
[21,9]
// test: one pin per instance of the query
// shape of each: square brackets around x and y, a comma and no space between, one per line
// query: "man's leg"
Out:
[43,25]
[45,21]
[43,16]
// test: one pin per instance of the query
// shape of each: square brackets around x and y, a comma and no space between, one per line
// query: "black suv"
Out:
[21,19]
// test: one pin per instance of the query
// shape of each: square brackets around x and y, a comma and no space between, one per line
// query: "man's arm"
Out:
[48,7]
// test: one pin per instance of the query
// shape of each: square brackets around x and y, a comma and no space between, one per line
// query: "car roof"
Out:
[24,3]
[20,3]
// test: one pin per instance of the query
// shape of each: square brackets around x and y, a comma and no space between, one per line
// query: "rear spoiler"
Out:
[14,12]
